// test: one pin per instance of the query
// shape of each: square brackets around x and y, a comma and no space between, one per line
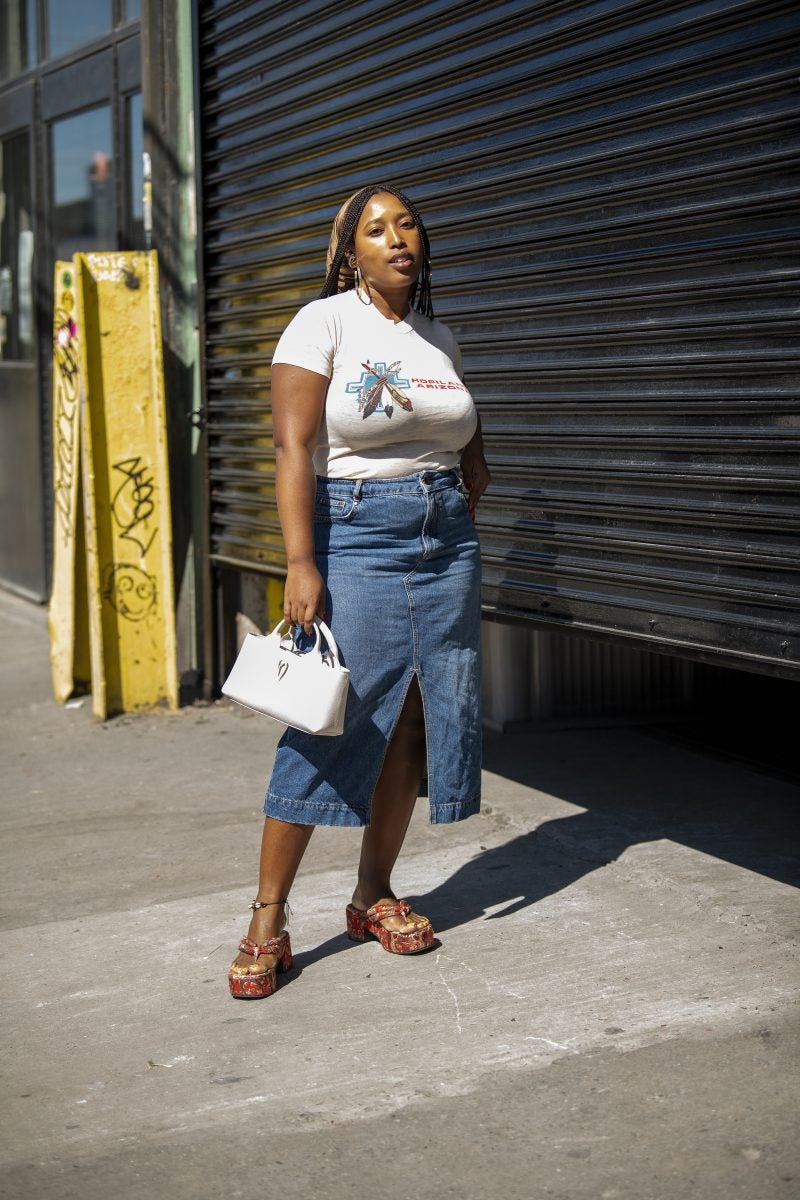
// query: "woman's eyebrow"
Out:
[379,220]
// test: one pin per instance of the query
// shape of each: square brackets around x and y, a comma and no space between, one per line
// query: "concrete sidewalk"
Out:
[609,1014]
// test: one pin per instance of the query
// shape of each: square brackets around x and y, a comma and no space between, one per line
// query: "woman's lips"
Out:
[402,260]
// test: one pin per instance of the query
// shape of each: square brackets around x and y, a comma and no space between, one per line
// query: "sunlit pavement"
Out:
[609,1012]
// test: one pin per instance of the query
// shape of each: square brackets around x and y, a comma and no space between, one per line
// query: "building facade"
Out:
[610,194]
[71,155]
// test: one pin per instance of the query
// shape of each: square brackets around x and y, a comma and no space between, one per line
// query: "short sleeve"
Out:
[452,348]
[308,340]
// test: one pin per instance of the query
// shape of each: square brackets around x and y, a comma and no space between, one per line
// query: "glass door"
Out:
[84,175]
[70,180]
[22,561]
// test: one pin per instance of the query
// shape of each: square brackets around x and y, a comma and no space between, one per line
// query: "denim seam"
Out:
[428,759]
[445,814]
[339,517]
[413,619]
[302,803]
[456,803]
[301,808]
[417,674]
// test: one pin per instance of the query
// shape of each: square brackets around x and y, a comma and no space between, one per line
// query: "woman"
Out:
[372,422]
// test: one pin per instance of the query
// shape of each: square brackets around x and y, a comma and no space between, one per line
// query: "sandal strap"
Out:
[271,946]
[382,910]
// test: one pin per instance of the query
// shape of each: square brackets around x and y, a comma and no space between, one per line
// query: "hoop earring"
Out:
[362,289]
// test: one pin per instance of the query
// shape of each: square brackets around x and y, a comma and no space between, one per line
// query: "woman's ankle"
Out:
[268,918]
[369,891]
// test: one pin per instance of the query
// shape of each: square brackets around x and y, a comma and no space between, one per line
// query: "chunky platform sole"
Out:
[245,986]
[364,923]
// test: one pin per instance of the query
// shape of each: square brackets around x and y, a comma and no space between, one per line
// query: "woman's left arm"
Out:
[477,476]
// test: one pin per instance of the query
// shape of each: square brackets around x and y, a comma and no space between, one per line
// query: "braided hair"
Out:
[420,294]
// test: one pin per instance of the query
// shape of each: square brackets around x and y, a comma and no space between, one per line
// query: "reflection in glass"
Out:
[17,37]
[136,174]
[70,25]
[132,10]
[16,250]
[83,184]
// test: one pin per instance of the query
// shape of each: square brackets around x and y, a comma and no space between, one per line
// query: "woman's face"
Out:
[388,245]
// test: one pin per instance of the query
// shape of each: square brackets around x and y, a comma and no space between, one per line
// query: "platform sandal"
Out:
[364,923]
[245,985]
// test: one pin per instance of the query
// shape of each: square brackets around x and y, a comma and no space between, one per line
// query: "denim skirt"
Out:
[401,564]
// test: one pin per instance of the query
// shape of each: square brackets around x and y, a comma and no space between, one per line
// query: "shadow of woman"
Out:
[515,875]
[638,789]
[525,870]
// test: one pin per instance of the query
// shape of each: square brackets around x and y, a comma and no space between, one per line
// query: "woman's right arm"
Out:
[298,402]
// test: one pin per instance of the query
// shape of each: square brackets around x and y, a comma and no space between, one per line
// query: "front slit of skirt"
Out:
[412,676]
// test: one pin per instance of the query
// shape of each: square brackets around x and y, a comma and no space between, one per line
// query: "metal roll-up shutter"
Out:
[612,209]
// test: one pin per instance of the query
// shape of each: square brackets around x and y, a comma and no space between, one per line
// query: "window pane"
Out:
[136,232]
[16,250]
[17,37]
[132,10]
[70,25]
[83,184]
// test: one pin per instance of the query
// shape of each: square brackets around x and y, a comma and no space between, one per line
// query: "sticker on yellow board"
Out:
[126,484]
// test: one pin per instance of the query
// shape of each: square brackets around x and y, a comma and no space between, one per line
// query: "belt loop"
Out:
[357,489]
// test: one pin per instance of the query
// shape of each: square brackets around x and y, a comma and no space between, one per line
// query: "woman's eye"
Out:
[375,233]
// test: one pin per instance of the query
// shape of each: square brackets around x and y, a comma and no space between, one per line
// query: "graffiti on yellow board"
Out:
[66,414]
[130,590]
[133,504]
[113,268]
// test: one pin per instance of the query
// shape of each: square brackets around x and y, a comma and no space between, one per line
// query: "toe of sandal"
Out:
[253,985]
[364,923]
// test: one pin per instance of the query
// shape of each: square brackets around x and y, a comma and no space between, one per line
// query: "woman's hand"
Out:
[304,595]
[477,476]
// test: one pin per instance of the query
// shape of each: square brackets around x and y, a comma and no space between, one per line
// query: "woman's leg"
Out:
[282,848]
[392,805]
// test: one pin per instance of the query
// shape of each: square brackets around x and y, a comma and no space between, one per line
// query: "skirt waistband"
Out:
[421,483]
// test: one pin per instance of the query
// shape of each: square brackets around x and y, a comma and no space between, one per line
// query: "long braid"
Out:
[420,295]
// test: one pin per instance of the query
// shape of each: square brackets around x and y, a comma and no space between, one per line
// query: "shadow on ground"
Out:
[718,809]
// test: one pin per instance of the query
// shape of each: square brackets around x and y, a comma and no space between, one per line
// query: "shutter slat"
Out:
[613,205]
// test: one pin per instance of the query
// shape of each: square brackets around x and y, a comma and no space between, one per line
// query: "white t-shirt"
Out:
[396,403]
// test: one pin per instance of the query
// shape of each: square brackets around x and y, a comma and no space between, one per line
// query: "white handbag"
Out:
[305,689]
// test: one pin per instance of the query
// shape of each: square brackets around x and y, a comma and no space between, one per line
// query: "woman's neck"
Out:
[392,305]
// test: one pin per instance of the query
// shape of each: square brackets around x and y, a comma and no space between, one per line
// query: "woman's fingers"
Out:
[477,483]
[304,596]
[307,620]
[302,613]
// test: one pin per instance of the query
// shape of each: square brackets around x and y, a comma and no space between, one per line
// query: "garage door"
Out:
[612,207]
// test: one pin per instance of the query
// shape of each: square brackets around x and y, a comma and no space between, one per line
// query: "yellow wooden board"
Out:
[275,588]
[68,615]
[126,484]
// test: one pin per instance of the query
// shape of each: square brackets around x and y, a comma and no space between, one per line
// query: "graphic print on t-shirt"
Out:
[378,389]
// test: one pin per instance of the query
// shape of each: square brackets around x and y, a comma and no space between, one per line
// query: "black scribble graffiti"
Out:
[130,277]
[65,419]
[132,505]
[130,590]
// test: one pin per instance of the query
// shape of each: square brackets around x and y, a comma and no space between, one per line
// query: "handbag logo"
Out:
[283,667]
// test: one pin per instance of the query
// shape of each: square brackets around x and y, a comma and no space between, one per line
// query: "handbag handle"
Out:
[319,628]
